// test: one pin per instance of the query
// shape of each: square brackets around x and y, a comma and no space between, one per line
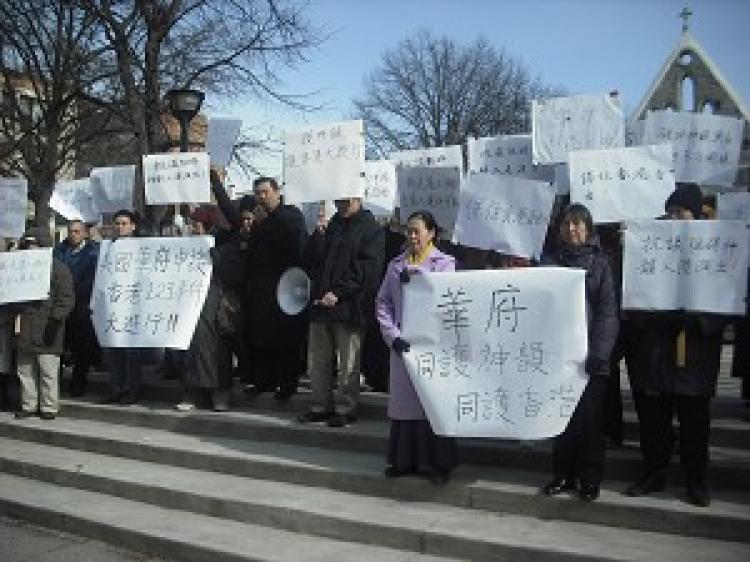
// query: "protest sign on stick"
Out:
[221,137]
[506,214]
[561,125]
[112,188]
[620,184]
[434,189]
[507,155]
[149,292]
[436,156]
[25,275]
[497,353]
[178,177]
[326,162]
[380,187]
[705,147]
[698,265]
[73,199]
[13,206]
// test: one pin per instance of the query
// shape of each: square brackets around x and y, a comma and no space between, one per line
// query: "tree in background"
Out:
[429,91]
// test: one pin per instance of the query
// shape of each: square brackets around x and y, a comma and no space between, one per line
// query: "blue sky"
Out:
[586,46]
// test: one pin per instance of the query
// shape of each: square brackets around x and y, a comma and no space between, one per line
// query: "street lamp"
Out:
[184,105]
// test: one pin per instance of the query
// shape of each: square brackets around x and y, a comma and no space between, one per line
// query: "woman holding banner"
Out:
[579,451]
[413,447]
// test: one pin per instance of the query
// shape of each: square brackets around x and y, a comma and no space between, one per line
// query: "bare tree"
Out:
[429,91]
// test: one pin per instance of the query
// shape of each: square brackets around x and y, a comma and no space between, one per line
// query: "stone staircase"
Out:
[252,484]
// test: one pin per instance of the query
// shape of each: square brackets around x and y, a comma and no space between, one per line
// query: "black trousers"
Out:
[655,413]
[80,339]
[741,357]
[277,369]
[225,353]
[579,451]
[613,425]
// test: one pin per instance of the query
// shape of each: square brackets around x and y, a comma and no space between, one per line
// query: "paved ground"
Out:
[23,542]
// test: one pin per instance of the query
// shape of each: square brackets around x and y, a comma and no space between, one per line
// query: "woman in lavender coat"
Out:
[413,447]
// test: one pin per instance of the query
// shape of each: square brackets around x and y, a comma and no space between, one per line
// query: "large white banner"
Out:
[434,189]
[380,187]
[497,353]
[25,275]
[177,177]
[706,148]
[112,188]
[13,206]
[326,162]
[149,292]
[698,265]
[622,183]
[437,156]
[74,199]
[733,206]
[221,137]
[508,155]
[561,125]
[506,214]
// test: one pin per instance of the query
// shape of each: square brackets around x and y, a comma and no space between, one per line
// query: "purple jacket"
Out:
[403,402]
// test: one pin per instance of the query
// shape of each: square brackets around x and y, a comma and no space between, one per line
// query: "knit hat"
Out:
[686,196]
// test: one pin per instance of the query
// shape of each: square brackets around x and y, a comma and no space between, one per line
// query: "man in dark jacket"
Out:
[674,366]
[80,255]
[344,261]
[40,340]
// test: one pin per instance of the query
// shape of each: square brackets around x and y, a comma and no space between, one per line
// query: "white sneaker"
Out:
[184,406]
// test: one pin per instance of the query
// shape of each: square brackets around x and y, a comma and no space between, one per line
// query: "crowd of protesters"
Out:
[357,269]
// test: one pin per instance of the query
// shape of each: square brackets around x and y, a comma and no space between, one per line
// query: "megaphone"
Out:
[293,291]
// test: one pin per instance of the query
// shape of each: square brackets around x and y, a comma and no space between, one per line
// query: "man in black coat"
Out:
[344,261]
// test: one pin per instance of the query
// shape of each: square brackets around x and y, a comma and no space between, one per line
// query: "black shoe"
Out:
[589,492]
[47,416]
[698,495]
[128,399]
[23,414]
[283,395]
[113,398]
[341,420]
[438,477]
[393,472]
[311,417]
[559,486]
[646,485]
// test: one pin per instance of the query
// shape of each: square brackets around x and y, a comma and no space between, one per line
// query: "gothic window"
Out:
[687,93]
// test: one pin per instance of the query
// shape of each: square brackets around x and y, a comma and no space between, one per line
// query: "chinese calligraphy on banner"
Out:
[25,275]
[73,199]
[508,155]
[112,188]
[325,162]
[506,214]
[178,177]
[222,134]
[13,205]
[706,148]
[698,265]
[622,183]
[497,353]
[380,187]
[148,292]
[436,156]
[431,189]
[560,125]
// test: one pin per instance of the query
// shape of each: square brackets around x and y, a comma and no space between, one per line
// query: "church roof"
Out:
[689,43]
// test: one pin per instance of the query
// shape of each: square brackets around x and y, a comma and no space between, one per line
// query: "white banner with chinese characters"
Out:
[561,125]
[436,156]
[74,199]
[25,275]
[13,206]
[508,155]
[706,148]
[112,188]
[696,265]
[380,187]
[506,214]
[326,162]
[220,140]
[497,353]
[621,184]
[434,189]
[177,177]
[149,292]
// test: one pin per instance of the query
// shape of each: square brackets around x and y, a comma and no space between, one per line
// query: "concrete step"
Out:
[176,535]
[730,467]
[407,526]
[495,489]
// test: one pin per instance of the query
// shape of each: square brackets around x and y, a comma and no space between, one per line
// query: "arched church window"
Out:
[687,94]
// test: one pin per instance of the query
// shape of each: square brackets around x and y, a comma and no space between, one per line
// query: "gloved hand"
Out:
[50,331]
[596,366]
[400,346]
[404,276]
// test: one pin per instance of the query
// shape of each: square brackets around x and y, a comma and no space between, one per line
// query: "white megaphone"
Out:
[293,291]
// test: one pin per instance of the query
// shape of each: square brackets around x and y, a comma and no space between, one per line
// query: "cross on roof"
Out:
[685,15]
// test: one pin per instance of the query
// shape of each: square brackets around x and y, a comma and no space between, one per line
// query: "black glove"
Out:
[596,366]
[400,346]
[50,331]
[404,276]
